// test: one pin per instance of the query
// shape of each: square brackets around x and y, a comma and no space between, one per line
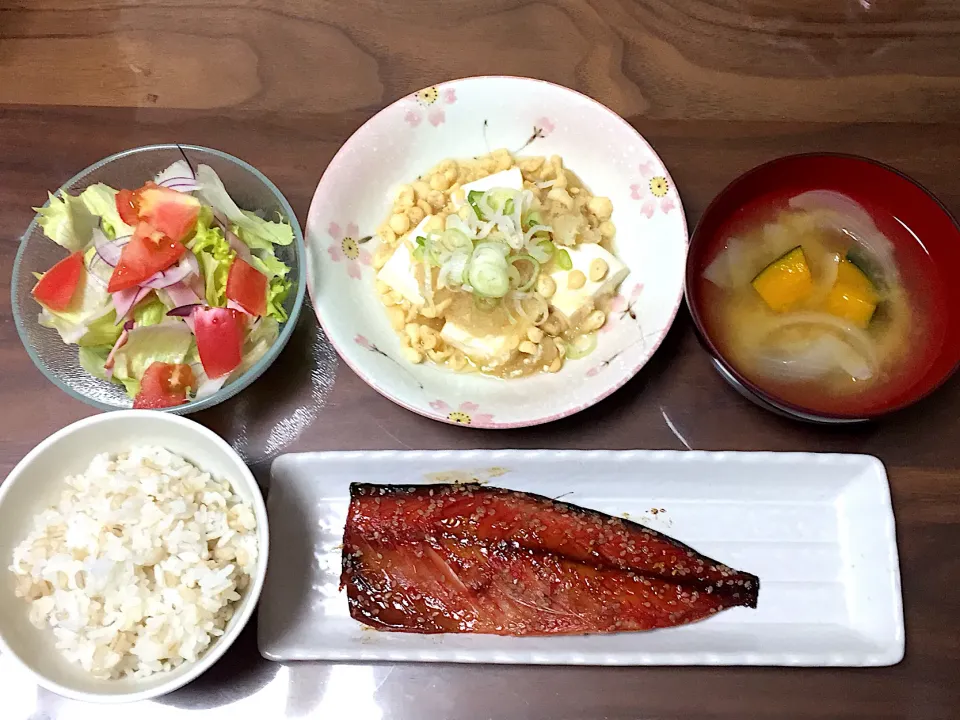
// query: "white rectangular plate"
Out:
[817,529]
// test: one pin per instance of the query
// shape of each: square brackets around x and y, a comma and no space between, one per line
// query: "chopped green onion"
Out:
[533,218]
[473,197]
[420,249]
[514,276]
[501,200]
[563,260]
[582,346]
[455,240]
[488,271]
[499,247]
[489,280]
[524,285]
[487,304]
[546,246]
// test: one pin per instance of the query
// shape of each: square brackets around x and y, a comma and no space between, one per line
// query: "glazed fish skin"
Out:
[478,559]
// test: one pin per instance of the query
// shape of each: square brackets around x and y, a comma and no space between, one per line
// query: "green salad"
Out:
[171,290]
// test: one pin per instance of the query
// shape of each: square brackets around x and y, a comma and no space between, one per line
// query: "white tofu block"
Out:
[398,274]
[420,229]
[573,304]
[511,179]
[482,349]
[398,270]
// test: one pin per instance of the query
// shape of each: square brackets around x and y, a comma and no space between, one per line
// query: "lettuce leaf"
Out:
[90,313]
[277,292]
[255,344]
[67,221]
[260,234]
[131,385]
[101,200]
[168,342]
[213,193]
[215,257]
[102,331]
[269,264]
[279,287]
[252,229]
[93,358]
[149,311]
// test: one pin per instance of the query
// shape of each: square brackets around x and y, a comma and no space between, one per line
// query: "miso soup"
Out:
[819,302]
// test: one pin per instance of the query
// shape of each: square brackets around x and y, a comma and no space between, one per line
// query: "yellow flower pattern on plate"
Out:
[350,248]
[659,186]
[428,96]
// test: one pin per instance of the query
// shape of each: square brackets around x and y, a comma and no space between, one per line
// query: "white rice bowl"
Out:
[37,484]
[138,566]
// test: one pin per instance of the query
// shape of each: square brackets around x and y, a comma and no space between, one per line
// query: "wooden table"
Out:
[716,87]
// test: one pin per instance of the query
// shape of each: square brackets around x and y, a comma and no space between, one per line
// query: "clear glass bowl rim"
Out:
[226,392]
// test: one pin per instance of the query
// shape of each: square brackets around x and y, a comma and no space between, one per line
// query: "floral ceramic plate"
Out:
[471,117]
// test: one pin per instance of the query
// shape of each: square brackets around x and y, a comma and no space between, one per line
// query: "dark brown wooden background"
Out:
[716,86]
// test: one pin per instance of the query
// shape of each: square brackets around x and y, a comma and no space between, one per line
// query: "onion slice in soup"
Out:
[838,346]
[823,355]
[729,269]
[835,211]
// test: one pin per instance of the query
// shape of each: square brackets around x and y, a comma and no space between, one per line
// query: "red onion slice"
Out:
[179,176]
[180,184]
[184,310]
[187,266]
[179,294]
[231,305]
[109,251]
[238,246]
[125,300]
[108,365]
[94,269]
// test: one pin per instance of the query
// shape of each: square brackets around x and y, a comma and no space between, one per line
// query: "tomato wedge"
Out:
[164,385]
[171,212]
[247,287]
[128,206]
[59,284]
[148,252]
[219,334]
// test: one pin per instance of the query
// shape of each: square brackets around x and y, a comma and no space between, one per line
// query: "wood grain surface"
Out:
[716,86]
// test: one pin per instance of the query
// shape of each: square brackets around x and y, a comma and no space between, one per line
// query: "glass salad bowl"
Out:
[60,361]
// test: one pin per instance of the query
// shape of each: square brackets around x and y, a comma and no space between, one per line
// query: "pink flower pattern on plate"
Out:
[429,103]
[656,191]
[466,414]
[346,247]
[363,342]
[620,307]
[545,126]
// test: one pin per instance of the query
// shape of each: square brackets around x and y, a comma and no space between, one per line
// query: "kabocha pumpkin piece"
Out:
[853,296]
[786,281]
